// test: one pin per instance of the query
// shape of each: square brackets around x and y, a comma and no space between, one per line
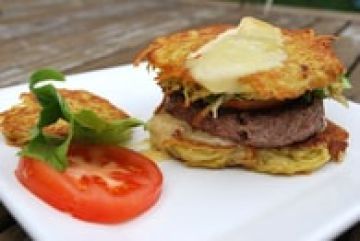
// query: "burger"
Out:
[249,95]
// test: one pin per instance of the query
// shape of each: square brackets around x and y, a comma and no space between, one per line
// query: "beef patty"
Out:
[281,126]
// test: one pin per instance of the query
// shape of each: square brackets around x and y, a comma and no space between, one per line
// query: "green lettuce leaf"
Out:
[89,128]
[84,126]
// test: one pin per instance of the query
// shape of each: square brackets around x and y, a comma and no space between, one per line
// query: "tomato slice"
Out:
[104,184]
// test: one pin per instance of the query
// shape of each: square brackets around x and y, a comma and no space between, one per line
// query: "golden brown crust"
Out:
[17,122]
[160,53]
[335,137]
[311,62]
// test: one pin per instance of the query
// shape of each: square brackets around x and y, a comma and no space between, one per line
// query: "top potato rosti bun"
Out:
[311,63]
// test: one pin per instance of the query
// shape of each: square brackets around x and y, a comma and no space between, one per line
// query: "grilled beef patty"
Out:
[280,126]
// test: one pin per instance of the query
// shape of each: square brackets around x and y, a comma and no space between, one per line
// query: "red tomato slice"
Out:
[102,183]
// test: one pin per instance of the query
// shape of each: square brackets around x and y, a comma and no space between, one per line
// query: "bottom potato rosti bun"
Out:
[199,149]
[17,122]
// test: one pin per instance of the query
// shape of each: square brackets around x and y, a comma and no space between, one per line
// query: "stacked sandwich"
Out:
[249,96]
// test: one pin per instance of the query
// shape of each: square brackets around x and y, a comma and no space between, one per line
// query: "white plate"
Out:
[198,204]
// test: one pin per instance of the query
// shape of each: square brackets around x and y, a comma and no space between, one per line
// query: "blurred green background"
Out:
[340,5]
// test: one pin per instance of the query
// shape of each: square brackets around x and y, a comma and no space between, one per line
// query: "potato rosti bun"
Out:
[17,122]
[311,64]
[199,149]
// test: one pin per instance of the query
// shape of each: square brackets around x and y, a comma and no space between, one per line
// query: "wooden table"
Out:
[81,35]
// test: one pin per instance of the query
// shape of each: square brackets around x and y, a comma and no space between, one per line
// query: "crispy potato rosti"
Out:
[200,149]
[17,122]
[311,63]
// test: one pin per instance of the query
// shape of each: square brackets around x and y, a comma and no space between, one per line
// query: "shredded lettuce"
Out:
[84,126]
[214,107]
[215,102]
[334,91]
[193,93]
[345,82]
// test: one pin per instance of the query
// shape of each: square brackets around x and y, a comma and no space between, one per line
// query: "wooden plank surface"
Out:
[94,34]
[81,35]
[14,233]
[348,44]
[5,219]
[353,93]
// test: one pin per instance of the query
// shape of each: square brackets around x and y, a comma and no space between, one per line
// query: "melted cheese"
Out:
[252,47]
[145,148]
[155,154]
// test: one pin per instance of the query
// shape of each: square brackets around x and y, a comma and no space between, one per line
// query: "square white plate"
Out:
[199,204]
